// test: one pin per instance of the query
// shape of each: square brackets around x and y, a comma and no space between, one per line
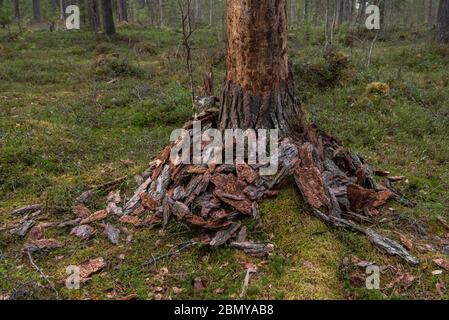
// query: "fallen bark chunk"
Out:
[135,221]
[158,188]
[36,233]
[391,247]
[112,233]
[310,182]
[152,221]
[396,179]
[114,196]
[253,249]
[239,203]
[90,267]
[223,236]
[149,202]
[22,230]
[131,205]
[408,243]
[40,245]
[27,209]
[68,223]
[246,173]
[83,232]
[406,280]
[442,263]
[97,216]
[362,199]
[84,197]
[81,211]
[113,209]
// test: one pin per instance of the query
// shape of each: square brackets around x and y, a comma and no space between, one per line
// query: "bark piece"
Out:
[22,230]
[223,236]
[135,221]
[134,202]
[113,209]
[149,201]
[84,197]
[246,173]
[91,267]
[391,247]
[158,187]
[81,211]
[442,263]
[112,233]
[97,216]
[40,245]
[253,249]
[114,196]
[83,232]
[26,209]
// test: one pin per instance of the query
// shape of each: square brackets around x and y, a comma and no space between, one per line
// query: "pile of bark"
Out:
[337,185]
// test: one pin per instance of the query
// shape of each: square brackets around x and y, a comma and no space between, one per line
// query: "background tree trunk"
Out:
[108,19]
[122,10]
[258,91]
[37,10]
[443,22]
[16,6]
[94,14]
[429,12]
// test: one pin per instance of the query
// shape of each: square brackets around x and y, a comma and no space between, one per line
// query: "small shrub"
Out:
[377,89]
[144,49]
[115,66]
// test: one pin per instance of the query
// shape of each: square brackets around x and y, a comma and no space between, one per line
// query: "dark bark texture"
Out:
[443,22]
[37,10]
[16,6]
[258,91]
[122,10]
[108,19]
[94,14]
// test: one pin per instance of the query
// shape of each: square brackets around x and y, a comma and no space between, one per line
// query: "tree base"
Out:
[337,185]
[276,108]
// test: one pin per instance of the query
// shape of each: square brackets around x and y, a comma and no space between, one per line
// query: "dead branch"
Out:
[35,266]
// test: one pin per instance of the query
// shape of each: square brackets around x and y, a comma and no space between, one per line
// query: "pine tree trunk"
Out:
[108,19]
[429,12]
[94,14]
[443,22]
[16,6]
[258,91]
[37,10]
[122,10]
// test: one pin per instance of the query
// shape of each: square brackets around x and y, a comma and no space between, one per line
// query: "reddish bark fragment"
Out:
[149,202]
[246,173]
[135,221]
[97,216]
[311,184]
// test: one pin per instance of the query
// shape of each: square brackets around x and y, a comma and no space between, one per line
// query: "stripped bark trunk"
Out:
[258,91]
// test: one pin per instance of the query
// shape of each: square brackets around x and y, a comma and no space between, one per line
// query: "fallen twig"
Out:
[42,274]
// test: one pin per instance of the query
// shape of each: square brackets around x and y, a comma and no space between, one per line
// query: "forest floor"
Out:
[78,110]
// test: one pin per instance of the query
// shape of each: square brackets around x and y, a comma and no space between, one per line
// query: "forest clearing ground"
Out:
[70,118]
